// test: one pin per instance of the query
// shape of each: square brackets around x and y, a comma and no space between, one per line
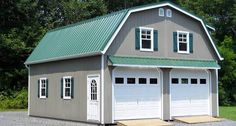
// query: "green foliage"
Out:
[14,100]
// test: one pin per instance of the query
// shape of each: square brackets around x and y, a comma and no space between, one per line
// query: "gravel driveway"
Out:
[22,119]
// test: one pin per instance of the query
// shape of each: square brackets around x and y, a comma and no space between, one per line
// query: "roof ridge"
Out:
[161,58]
[88,20]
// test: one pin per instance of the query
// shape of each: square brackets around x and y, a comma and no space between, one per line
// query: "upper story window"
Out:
[183,42]
[146,39]
[43,87]
[161,12]
[168,13]
[67,87]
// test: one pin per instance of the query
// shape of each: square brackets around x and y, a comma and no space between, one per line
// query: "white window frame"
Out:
[183,32]
[161,12]
[40,87]
[146,28]
[168,13]
[64,87]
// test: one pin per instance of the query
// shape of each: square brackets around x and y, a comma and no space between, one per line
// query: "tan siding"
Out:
[124,43]
[54,106]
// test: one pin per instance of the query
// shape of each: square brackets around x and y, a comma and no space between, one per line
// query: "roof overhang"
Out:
[123,61]
[161,5]
[64,58]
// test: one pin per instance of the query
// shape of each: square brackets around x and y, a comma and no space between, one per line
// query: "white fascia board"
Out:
[64,58]
[156,6]
[156,66]
[208,26]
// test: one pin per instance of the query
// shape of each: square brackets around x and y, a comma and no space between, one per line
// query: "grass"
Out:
[228,112]
[12,110]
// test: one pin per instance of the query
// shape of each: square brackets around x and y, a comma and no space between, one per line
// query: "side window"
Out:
[161,12]
[175,81]
[168,13]
[67,87]
[43,88]
[146,39]
[183,42]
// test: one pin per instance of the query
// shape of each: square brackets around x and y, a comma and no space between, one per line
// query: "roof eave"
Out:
[63,58]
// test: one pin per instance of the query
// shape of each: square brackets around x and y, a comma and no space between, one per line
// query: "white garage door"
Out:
[136,93]
[189,92]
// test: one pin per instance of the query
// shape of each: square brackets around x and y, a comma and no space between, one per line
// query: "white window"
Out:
[183,42]
[43,87]
[67,87]
[161,12]
[146,41]
[94,90]
[168,13]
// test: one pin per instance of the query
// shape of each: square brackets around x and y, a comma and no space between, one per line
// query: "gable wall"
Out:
[124,43]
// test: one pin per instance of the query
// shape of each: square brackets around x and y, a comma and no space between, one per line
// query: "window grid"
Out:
[67,87]
[146,36]
[93,90]
[43,88]
[183,42]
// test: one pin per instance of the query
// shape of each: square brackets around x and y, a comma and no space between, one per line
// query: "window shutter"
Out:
[155,40]
[38,87]
[46,88]
[72,87]
[61,87]
[191,42]
[137,38]
[175,41]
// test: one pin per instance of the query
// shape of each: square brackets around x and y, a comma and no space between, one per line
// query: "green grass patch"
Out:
[12,110]
[228,112]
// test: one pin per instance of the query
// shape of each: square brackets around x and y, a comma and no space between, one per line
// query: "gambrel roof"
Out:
[92,37]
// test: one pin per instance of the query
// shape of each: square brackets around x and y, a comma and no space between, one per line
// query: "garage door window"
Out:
[184,80]
[193,81]
[175,81]
[142,81]
[130,80]
[202,81]
[153,80]
[119,80]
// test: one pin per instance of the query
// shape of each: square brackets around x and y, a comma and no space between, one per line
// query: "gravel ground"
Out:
[22,119]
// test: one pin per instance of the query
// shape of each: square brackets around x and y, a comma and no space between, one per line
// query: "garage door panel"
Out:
[136,101]
[189,99]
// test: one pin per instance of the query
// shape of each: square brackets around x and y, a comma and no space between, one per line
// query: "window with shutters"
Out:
[67,84]
[183,42]
[43,87]
[146,39]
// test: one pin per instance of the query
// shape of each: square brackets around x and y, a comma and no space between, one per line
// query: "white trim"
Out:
[40,87]
[64,87]
[162,92]
[208,26]
[187,37]
[210,92]
[102,89]
[28,67]
[154,66]
[113,95]
[217,91]
[159,12]
[170,78]
[156,6]
[170,12]
[140,41]
[64,58]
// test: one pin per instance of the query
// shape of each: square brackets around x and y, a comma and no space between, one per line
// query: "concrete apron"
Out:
[197,119]
[144,122]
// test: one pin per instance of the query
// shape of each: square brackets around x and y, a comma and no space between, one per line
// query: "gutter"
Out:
[64,58]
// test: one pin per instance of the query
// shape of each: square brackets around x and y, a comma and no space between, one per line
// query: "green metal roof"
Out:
[77,39]
[162,62]
[80,39]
